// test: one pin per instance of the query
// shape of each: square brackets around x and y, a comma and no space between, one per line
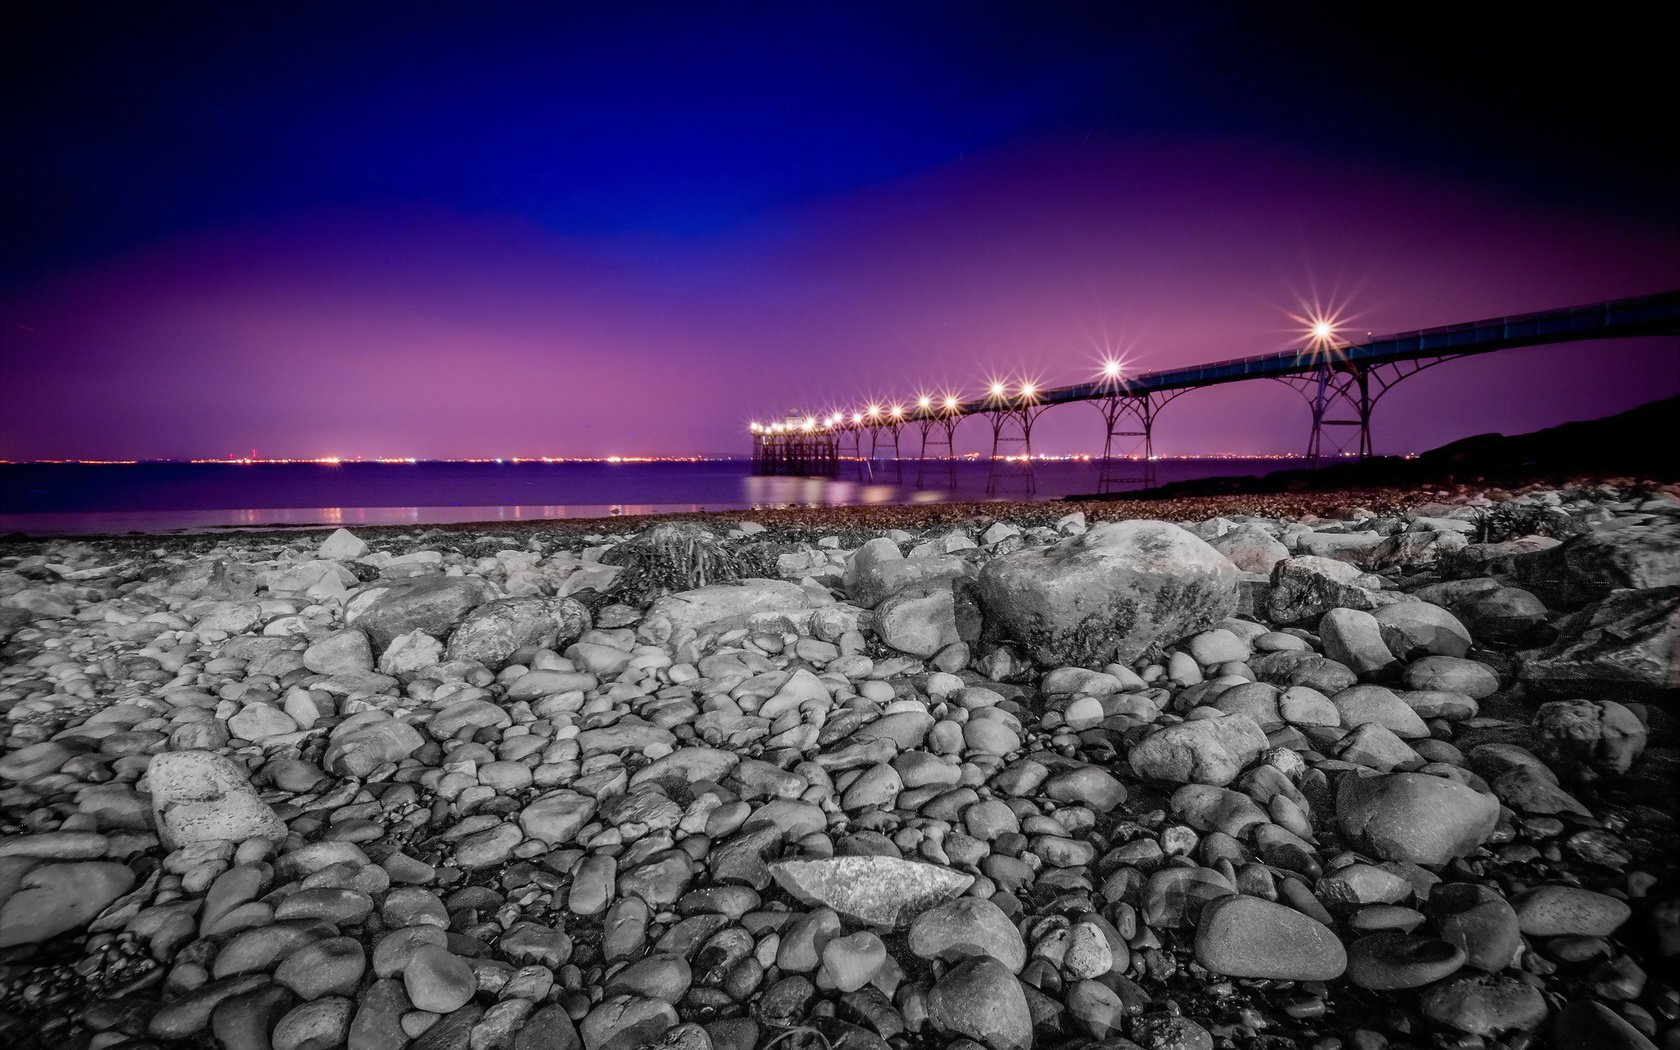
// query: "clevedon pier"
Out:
[1341,383]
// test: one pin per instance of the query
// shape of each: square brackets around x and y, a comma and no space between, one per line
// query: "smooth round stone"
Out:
[1391,961]
[1452,674]
[438,981]
[505,776]
[1242,936]
[393,951]
[1569,911]
[662,975]
[1488,1005]
[966,927]
[852,961]
[33,760]
[1088,952]
[981,999]
[318,1025]
[1478,920]
[245,1022]
[333,966]
[330,903]
[413,906]
[191,1012]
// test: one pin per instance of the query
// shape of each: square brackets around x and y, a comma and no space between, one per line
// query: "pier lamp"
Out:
[809,425]
[1111,369]
[998,388]
[924,402]
[857,417]
[1028,391]
[874,411]
[951,402]
[898,411]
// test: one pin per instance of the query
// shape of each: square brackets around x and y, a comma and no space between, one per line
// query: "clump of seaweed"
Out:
[671,557]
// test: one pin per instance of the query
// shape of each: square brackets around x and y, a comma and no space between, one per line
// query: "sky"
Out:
[590,230]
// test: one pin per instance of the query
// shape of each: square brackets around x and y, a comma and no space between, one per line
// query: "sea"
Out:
[68,499]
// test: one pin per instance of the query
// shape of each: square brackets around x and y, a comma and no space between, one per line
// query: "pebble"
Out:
[240,773]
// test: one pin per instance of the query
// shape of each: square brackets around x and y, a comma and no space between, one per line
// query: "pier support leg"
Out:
[938,439]
[1012,461]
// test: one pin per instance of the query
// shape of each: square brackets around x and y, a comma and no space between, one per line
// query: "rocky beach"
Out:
[1357,770]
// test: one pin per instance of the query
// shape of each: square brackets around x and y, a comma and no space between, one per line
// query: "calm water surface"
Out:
[67,499]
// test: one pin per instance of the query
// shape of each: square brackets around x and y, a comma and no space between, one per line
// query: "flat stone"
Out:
[200,796]
[1242,936]
[880,891]
[1486,1006]
[1393,961]
[1569,911]
[56,898]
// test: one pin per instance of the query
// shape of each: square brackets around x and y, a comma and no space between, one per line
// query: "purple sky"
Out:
[432,324]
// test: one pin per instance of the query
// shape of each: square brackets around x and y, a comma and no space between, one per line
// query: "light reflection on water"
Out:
[167,498]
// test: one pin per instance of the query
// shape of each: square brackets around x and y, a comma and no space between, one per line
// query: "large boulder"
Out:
[1624,645]
[1250,548]
[200,796]
[1109,594]
[432,604]
[1588,568]
[1414,816]
[493,632]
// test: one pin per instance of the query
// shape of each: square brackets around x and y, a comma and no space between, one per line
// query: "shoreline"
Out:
[1328,503]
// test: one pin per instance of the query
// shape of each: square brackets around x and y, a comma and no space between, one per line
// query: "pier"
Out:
[1340,383]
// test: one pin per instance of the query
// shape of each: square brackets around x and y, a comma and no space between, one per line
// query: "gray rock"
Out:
[968,927]
[878,891]
[56,898]
[1414,816]
[1569,911]
[198,796]
[340,652]
[1416,629]
[493,632]
[1250,548]
[725,605]
[363,747]
[1624,646]
[1306,587]
[1241,936]
[1485,1006]
[1110,593]
[981,1000]
[1585,740]
[1203,751]
[1355,638]
[432,604]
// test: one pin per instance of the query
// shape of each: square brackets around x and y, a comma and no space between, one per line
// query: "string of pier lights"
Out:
[927,405]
